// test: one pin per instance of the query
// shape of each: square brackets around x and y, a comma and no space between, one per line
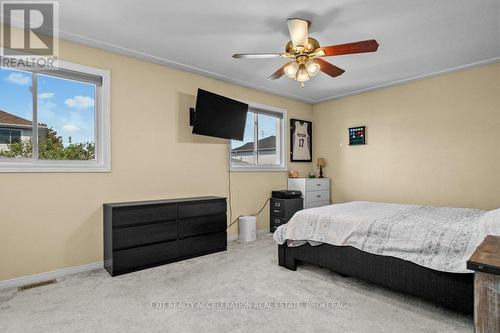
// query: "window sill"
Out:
[53,166]
[258,169]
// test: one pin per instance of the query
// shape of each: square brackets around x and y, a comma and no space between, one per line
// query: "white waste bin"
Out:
[247,228]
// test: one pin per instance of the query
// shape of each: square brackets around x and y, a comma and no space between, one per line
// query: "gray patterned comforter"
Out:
[438,238]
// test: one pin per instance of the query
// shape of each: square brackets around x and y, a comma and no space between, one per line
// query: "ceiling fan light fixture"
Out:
[305,54]
[302,74]
[313,68]
[291,70]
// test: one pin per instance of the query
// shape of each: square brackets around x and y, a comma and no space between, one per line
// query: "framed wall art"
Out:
[357,135]
[300,140]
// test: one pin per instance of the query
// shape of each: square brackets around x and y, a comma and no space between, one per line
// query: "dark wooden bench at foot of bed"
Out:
[451,290]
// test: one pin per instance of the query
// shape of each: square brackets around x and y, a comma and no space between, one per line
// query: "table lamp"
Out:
[321,163]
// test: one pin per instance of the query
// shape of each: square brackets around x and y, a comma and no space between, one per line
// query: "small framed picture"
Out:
[357,136]
[300,140]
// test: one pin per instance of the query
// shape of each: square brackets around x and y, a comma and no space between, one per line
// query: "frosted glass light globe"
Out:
[291,69]
[312,68]
[302,74]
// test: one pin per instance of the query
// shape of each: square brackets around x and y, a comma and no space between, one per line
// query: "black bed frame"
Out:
[452,290]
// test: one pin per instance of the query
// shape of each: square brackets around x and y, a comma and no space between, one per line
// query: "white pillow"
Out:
[490,222]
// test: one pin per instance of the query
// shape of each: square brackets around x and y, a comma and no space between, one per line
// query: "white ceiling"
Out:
[416,37]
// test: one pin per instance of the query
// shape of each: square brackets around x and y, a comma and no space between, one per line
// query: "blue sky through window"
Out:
[66,106]
[267,127]
[15,95]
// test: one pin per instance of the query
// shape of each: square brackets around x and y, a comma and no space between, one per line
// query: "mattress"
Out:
[440,238]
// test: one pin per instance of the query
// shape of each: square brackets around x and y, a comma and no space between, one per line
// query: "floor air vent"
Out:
[36,285]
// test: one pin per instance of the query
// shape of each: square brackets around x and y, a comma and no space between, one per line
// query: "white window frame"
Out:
[102,162]
[284,156]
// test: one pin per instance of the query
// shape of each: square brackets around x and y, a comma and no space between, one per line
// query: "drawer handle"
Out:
[276,211]
[318,196]
[318,184]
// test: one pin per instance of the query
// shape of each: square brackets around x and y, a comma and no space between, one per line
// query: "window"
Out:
[54,120]
[262,148]
[8,136]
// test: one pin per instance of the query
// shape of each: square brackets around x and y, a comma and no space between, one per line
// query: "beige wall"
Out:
[59,224]
[434,141]
[426,144]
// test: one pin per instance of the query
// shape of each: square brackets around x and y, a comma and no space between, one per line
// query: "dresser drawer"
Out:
[317,184]
[317,204]
[202,225]
[144,256]
[143,214]
[203,244]
[202,209]
[316,196]
[144,234]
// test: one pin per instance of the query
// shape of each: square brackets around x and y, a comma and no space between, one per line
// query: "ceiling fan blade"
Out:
[328,68]
[350,48]
[279,73]
[258,55]
[299,30]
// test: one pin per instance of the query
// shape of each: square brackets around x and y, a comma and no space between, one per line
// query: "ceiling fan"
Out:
[306,54]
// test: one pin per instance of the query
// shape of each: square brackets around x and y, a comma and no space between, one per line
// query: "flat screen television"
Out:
[219,116]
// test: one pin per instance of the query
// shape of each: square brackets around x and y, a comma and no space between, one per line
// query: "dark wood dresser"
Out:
[144,234]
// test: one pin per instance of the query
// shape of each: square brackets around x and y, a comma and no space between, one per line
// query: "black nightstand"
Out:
[282,210]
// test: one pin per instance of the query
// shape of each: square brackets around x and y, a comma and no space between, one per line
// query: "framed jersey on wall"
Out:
[300,140]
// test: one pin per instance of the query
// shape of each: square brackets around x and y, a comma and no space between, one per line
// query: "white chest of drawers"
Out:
[315,191]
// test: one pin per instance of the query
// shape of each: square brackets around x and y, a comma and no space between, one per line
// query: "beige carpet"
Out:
[270,299]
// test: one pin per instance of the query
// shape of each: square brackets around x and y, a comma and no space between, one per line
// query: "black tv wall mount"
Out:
[191,116]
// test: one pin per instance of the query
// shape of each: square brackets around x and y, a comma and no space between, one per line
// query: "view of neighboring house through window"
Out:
[242,152]
[262,145]
[65,112]
[16,114]
[268,151]
[8,136]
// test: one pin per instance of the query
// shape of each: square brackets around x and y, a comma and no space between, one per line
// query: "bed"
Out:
[414,249]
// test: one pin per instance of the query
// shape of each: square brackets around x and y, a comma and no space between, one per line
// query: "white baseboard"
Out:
[263,231]
[232,238]
[21,281]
